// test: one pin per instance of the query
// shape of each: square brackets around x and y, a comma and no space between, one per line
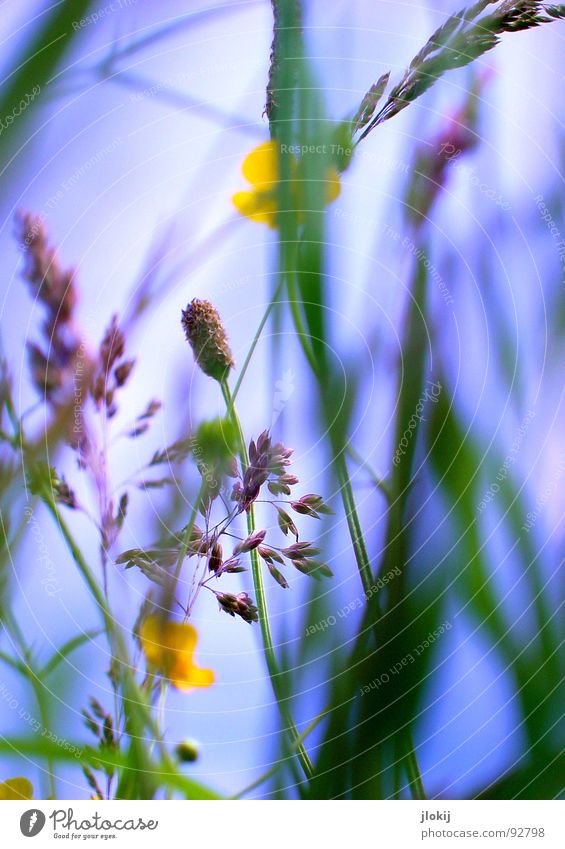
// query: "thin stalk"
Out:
[274,298]
[299,323]
[379,482]
[83,566]
[261,603]
[353,522]
[187,535]
[342,474]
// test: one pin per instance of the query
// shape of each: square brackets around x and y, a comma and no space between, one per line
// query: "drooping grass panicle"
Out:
[52,362]
[459,41]
[68,374]
[208,547]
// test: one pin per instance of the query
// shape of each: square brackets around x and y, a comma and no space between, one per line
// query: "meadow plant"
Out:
[365,731]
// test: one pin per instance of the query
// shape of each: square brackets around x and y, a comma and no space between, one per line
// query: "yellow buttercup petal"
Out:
[261,169]
[257,206]
[187,676]
[16,788]
[158,634]
[169,647]
[260,166]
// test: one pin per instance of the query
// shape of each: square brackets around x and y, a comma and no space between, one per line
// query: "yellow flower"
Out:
[16,788]
[169,647]
[261,169]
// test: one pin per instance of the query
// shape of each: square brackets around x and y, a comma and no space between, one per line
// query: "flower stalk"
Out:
[261,602]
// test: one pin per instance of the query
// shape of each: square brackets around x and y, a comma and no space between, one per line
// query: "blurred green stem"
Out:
[37,685]
[340,466]
[288,98]
[411,766]
[136,708]
[399,487]
[297,317]
[293,748]
[261,601]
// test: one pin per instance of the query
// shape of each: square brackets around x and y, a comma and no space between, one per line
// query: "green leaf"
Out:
[15,664]
[76,752]
[67,648]
[33,72]
[457,461]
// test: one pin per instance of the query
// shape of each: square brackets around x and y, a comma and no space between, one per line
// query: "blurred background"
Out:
[131,155]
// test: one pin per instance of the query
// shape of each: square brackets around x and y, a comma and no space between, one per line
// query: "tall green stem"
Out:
[350,507]
[289,98]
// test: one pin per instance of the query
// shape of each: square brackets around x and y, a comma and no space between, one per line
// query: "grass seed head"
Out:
[207,338]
